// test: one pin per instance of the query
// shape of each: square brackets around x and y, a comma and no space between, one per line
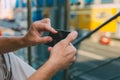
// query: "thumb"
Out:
[71,37]
[49,49]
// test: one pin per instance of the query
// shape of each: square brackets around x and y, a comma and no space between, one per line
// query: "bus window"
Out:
[107,1]
[88,2]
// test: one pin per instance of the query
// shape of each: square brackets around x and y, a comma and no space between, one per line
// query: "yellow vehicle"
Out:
[89,15]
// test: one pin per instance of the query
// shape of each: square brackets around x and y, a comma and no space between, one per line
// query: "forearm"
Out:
[46,72]
[8,44]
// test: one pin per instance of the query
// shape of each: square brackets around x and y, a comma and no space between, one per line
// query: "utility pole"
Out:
[29,21]
[67,14]
[66,26]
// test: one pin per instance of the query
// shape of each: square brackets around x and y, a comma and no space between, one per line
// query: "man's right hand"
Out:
[63,53]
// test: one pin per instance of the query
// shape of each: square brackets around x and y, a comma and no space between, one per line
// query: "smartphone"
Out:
[62,34]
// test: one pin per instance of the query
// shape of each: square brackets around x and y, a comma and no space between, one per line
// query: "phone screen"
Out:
[62,34]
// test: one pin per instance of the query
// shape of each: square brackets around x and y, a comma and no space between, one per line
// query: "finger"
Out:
[44,27]
[72,49]
[72,36]
[50,29]
[45,39]
[46,20]
[75,58]
[49,49]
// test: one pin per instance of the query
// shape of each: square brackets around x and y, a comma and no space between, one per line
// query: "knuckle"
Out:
[75,58]
[72,38]
[45,25]
[48,19]
[73,49]
[33,24]
[62,42]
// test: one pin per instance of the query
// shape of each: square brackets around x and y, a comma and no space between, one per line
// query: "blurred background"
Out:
[98,55]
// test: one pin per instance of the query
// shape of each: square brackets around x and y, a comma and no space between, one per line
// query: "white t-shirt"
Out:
[15,68]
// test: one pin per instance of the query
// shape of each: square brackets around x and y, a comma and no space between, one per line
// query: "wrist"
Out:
[45,72]
[23,42]
[55,64]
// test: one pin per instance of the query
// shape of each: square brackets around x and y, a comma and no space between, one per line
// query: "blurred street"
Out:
[97,62]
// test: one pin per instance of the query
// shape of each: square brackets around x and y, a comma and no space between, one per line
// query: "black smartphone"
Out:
[62,34]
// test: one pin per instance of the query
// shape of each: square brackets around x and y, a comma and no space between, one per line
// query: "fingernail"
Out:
[54,30]
[75,33]
[49,39]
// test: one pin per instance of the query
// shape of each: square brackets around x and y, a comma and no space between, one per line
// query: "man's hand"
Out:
[63,53]
[34,35]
